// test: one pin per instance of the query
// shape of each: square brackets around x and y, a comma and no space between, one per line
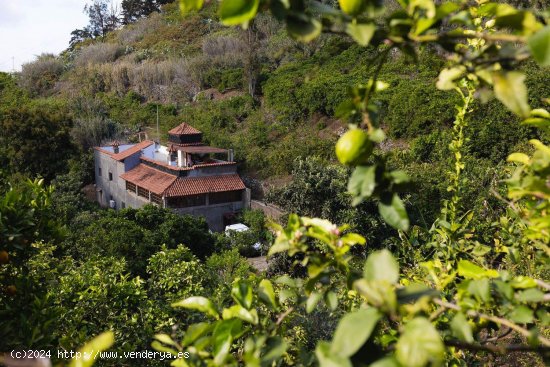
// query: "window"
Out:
[110,176]
[143,192]
[99,171]
[131,187]
[156,199]
[122,205]
[224,197]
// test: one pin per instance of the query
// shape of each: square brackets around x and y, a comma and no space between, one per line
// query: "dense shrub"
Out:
[39,77]
[36,138]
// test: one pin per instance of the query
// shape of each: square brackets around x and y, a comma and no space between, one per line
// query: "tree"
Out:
[36,139]
[133,10]
[103,16]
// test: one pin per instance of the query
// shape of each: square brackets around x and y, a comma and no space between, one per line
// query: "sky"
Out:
[31,27]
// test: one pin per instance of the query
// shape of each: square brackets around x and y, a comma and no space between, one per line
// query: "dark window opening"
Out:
[143,192]
[131,187]
[99,171]
[187,201]
[122,205]
[110,176]
[224,197]
[156,199]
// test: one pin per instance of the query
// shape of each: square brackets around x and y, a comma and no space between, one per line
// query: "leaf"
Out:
[480,289]
[187,6]
[530,295]
[302,28]
[281,245]
[393,212]
[331,299]
[326,358]
[521,314]
[461,329]
[399,177]
[354,329]
[195,331]
[469,270]
[523,282]
[519,158]
[238,311]
[362,182]
[222,337]
[381,265]
[447,76]
[510,89]
[90,350]
[235,12]
[166,339]
[242,293]
[201,304]
[312,301]
[353,239]
[539,43]
[361,32]
[420,344]
[266,293]
[155,344]
[377,135]
[275,349]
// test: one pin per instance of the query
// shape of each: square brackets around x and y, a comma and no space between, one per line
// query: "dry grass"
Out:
[98,53]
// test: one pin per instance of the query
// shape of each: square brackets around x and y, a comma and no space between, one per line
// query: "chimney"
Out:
[115,145]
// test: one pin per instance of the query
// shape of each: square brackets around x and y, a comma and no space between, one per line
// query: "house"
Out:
[186,176]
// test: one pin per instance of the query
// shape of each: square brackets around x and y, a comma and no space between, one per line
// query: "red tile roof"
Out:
[201,185]
[149,178]
[132,150]
[184,129]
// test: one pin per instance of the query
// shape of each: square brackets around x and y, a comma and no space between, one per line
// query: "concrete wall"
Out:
[270,211]
[117,187]
[213,171]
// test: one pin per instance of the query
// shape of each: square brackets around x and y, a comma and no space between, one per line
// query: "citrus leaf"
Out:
[266,293]
[187,6]
[235,12]
[361,32]
[381,265]
[303,29]
[539,43]
[461,329]
[420,344]
[353,330]
[89,351]
[326,358]
[469,270]
[393,212]
[198,303]
[510,89]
